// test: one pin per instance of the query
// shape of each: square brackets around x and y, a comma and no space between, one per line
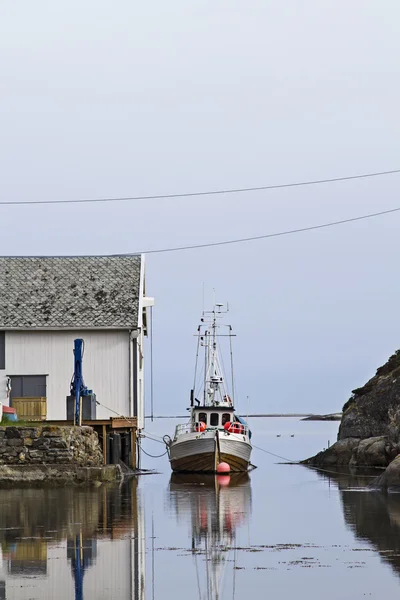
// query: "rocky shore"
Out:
[369,432]
[52,454]
[50,444]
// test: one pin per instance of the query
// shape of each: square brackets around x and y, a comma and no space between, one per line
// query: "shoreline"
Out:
[308,416]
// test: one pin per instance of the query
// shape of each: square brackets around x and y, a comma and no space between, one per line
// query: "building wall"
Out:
[111,576]
[139,384]
[105,366]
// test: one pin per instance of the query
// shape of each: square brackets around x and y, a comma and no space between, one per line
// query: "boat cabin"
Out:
[214,416]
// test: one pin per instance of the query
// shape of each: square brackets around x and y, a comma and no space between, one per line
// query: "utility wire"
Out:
[265,236]
[206,193]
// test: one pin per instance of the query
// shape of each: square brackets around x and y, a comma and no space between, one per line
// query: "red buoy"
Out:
[223,467]
[200,426]
[227,425]
[223,480]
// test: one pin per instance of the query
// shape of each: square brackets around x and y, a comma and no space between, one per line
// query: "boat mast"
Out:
[214,388]
[214,377]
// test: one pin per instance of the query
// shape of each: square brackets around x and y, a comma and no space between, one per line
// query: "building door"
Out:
[28,396]
[28,386]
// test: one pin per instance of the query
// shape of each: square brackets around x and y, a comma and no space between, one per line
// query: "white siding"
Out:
[105,366]
[140,380]
[111,576]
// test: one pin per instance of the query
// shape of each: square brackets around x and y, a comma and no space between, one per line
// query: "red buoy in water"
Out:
[223,467]
[223,480]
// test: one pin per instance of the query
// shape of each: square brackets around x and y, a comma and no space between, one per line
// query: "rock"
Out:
[50,444]
[331,417]
[15,442]
[52,431]
[390,478]
[374,409]
[13,432]
[339,453]
[370,422]
[374,452]
[27,474]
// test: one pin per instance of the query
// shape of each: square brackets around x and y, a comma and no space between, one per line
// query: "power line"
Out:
[206,193]
[265,236]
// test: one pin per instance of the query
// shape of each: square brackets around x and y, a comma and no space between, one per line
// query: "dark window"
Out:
[2,349]
[203,418]
[28,386]
[214,419]
[225,418]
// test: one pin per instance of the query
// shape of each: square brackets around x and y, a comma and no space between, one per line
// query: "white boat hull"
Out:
[201,453]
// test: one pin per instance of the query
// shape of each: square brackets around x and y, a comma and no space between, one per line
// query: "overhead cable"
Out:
[264,236]
[205,193]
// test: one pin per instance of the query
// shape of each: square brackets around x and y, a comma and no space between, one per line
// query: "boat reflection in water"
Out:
[216,506]
[70,543]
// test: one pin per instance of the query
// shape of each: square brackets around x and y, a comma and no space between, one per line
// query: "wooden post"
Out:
[105,444]
[133,447]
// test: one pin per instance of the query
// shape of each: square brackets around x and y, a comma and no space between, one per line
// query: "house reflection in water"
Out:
[95,535]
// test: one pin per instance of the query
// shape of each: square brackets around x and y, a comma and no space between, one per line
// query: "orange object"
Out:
[223,480]
[200,426]
[223,467]
[234,427]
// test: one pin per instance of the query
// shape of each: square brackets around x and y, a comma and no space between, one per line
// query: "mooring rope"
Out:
[298,462]
[153,455]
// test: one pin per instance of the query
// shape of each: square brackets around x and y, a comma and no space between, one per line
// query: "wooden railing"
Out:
[30,409]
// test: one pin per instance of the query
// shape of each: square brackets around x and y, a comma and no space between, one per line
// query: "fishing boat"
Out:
[214,439]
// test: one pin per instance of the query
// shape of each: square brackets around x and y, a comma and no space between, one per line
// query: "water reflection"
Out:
[72,543]
[372,516]
[216,507]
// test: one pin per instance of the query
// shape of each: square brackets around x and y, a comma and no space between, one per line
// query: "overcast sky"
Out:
[102,98]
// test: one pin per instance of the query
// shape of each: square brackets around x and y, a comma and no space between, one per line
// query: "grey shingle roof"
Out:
[80,291]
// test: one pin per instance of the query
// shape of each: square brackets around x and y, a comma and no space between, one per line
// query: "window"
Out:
[214,419]
[225,418]
[203,418]
[2,349]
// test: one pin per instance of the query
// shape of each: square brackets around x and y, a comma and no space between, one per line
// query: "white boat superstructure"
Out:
[213,434]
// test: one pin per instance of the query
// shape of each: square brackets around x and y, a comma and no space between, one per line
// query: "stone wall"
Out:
[50,445]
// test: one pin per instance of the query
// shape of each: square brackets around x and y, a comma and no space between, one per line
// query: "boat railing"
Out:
[186,428]
[235,427]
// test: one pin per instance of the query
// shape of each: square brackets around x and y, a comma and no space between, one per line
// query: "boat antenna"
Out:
[195,367]
[233,379]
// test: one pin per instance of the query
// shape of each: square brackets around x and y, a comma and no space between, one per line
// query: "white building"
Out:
[47,302]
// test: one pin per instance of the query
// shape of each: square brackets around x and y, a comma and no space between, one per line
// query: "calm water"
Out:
[281,532]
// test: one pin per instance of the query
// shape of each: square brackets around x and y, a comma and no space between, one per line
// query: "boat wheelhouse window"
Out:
[214,419]
[226,417]
[203,418]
